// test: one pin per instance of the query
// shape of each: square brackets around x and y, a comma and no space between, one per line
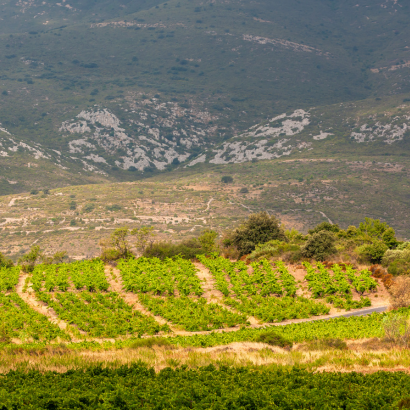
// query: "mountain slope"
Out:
[122,91]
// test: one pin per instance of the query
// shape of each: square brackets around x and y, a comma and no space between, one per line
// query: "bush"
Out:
[274,339]
[4,262]
[400,292]
[397,329]
[227,179]
[110,255]
[389,238]
[244,191]
[187,249]
[373,252]
[397,261]
[258,229]
[29,260]
[113,208]
[208,241]
[325,226]
[319,246]
[88,208]
[273,248]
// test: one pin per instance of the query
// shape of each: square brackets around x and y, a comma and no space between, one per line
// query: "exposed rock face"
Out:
[8,144]
[150,137]
[266,141]
[388,132]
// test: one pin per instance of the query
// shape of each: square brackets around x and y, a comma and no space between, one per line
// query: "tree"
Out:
[325,226]
[373,227]
[5,262]
[373,252]
[258,229]
[118,241]
[227,179]
[208,241]
[29,260]
[319,246]
[145,237]
[60,256]
[389,238]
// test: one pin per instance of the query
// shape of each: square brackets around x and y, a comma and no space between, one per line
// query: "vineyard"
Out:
[337,286]
[139,387]
[17,319]
[78,293]
[73,276]
[268,293]
[172,289]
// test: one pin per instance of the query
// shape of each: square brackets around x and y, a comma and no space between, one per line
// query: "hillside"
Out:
[99,93]
[301,192]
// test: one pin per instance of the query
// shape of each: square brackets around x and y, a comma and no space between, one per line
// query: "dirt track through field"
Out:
[40,307]
[113,276]
[212,295]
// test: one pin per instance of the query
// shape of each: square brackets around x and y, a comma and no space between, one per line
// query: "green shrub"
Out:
[273,248]
[227,179]
[325,226]
[188,249]
[110,255]
[258,229]
[88,208]
[113,208]
[273,339]
[373,252]
[397,261]
[4,262]
[389,238]
[244,191]
[319,246]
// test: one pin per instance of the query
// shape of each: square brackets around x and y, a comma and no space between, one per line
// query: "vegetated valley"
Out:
[204,204]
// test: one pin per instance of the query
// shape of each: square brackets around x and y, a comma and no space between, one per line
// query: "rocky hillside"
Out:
[116,92]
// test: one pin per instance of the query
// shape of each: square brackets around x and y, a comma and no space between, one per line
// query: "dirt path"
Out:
[113,276]
[40,307]
[212,295]
[209,204]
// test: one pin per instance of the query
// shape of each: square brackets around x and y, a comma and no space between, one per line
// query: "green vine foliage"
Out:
[139,387]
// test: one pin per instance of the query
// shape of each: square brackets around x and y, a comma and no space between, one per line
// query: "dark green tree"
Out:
[319,246]
[258,229]
[325,226]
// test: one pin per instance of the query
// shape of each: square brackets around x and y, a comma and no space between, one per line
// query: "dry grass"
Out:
[364,356]
[400,292]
